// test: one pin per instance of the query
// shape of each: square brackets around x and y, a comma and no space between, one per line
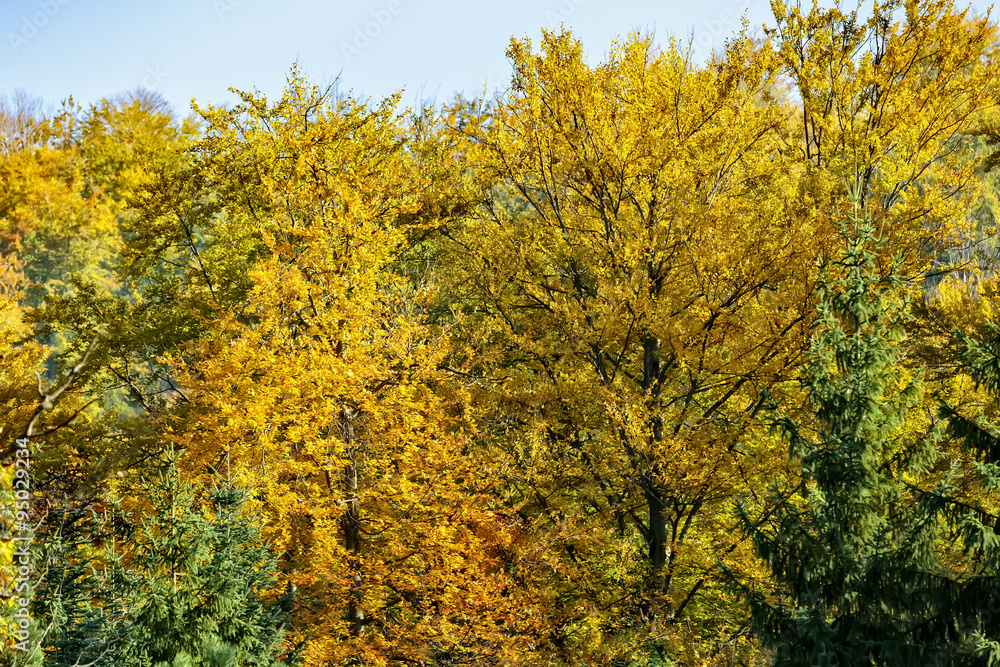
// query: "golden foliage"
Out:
[326,394]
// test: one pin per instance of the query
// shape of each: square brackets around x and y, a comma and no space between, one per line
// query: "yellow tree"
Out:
[635,280]
[326,392]
[639,279]
[62,197]
[885,102]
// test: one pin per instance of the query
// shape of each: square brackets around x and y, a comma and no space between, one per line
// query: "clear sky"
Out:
[429,49]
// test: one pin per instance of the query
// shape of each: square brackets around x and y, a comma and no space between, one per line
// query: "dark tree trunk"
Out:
[654,500]
[350,523]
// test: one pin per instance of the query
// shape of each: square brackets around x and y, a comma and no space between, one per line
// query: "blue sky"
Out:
[429,49]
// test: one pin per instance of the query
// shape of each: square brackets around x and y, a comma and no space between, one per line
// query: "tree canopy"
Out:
[639,361]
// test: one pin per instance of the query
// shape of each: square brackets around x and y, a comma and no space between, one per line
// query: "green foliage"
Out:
[184,589]
[859,551]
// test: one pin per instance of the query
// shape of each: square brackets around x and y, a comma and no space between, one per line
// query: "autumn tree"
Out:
[326,392]
[886,100]
[641,272]
[623,325]
[64,195]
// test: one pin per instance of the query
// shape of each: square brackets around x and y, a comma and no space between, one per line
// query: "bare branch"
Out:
[48,400]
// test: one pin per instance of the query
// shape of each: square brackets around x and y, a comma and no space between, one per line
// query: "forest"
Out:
[638,361]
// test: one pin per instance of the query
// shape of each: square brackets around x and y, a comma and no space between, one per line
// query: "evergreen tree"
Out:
[185,590]
[78,625]
[978,521]
[858,550]
[199,596]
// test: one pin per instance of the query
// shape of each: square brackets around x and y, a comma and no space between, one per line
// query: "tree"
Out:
[885,101]
[197,585]
[62,212]
[327,391]
[639,276]
[631,283]
[73,622]
[21,118]
[184,585]
[862,550]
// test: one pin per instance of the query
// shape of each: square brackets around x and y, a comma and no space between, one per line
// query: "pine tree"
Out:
[185,589]
[978,520]
[78,627]
[858,550]
[196,582]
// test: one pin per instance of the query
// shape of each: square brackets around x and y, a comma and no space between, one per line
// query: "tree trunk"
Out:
[657,530]
[350,525]
[654,500]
